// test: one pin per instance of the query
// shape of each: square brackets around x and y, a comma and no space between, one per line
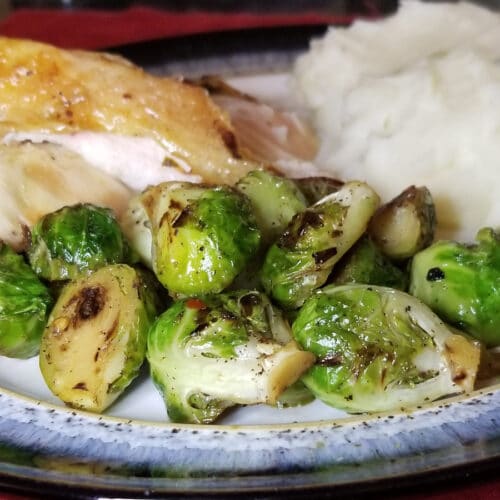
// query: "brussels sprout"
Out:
[316,188]
[202,237]
[95,340]
[296,395]
[275,200]
[406,224]
[76,240]
[461,283]
[365,263]
[209,354]
[24,306]
[380,349]
[314,241]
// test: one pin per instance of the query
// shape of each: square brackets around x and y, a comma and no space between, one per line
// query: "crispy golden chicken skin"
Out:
[46,89]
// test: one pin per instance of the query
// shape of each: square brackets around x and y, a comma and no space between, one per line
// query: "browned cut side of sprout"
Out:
[316,188]
[406,224]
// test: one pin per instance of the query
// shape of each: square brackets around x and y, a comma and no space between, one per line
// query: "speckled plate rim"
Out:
[63,446]
[51,448]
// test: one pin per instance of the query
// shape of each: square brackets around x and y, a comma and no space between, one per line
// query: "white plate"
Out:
[134,450]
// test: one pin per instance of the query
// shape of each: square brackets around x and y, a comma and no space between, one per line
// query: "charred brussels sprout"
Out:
[316,188]
[406,224]
[95,339]
[76,240]
[275,200]
[365,263]
[24,306]
[380,349]
[461,283]
[314,241]
[202,237]
[212,353]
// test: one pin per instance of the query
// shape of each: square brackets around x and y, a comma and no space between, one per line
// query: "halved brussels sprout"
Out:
[95,340]
[365,263]
[275,200]
[76,240]
[24,306]
[381,349]
[314,241]
[316,188]
[209,354]
[202,237]
[406,224]
[461,283]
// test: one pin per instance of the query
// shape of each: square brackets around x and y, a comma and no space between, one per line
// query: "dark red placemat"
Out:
[96,29]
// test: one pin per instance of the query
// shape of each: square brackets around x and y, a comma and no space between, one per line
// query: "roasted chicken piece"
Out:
[264,133]
[64,112]
[39,178]
[44,89]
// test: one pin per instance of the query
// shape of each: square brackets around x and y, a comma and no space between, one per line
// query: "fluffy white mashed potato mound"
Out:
[413,99]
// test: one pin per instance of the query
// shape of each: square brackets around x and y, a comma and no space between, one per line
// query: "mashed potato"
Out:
[413,99]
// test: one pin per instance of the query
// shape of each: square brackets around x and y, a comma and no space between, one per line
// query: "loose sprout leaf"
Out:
[209,354]
[380,349]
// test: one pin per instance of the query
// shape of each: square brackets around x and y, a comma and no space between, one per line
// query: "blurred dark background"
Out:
[232,5]
[335,6]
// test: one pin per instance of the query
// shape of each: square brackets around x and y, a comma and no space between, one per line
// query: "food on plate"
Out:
[36,179]
[270,281]
[412,100]
[379,349]
[406,224]
[365,263]
[25,304]
[461,283]
[264,133]
[74,240]
[200,237]
[95,340]
[209,354]
[135,128]
[49,90]
[315,188]
[274,199]
[303,256]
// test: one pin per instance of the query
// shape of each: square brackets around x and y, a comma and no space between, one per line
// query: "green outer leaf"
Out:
[204,354]
[275,200]
[365,263]
[210,247]
[461,283]
[366,340]
[24,306]
[76,240]
[166,352]
[314,241]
